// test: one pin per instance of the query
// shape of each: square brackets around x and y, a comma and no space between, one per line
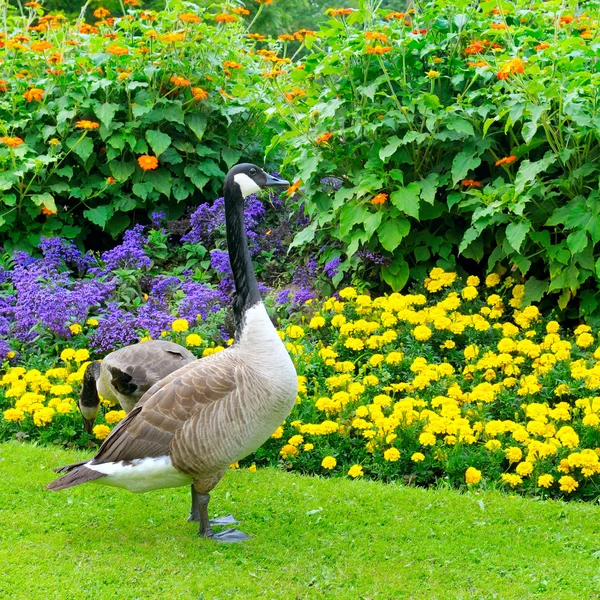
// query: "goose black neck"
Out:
[246,287]
[89,392]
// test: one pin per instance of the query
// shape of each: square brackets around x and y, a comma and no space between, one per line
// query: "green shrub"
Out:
[479,123]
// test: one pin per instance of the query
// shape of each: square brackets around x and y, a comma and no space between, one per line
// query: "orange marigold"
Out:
[515,65]
[379,199]
[87,124]
[507,160]
[33,94]
[324,138]
[542,46]
[41,46]
[225,18]
[339,12]
[286,37]
[3,85]
[475,47]
[100,13]
[302,33]
[293,188]
[116,50]
[33,5]
[376,35]
[230,64]
[180,81]
[240,11]
[498,26]
[148,163]
[173,37]
[265,2]
[131,3]
[272,74]
[11,142]
[199,93]
[256,36]
[189,18]
[395,15]
[471,183]
[378,49]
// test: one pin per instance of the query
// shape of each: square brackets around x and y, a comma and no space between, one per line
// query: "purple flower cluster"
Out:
[130,253]
[200,300]
[374,257]
[61,253]
[116,328]
[331,268]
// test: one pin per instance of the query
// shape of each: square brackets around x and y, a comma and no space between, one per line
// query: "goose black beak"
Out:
[275,181]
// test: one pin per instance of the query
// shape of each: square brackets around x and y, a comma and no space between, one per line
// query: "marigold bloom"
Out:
[173,37]
[507,160]
[240,11]
[230,64]
[100,13]
[3,85]
[301,34]
[339,12]
[193,340]
[199,93]
[568,484]
[285,37]
[379,199]
[33,94]
[355,471]
[515,65]
[329,462]
[392,455]
[432,74]
[189,18]
[148,163]
[293,188]
[41,46]
[324,138]
[475,47]
[87,124]
[101,431]
[225,18]
[378,50]
[395,15]
[180,325]
[116,50]
[471,183]
[542,46]
[377,36]
[179,81]
[11,142]
[472,476]
[417,457]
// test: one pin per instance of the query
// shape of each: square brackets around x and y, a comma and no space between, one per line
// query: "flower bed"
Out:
[455,383]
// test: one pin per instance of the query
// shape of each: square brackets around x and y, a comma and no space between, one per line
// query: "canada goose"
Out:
[190,426]
[125,375]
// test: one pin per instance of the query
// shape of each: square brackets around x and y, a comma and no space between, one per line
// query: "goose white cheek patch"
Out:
[247,184]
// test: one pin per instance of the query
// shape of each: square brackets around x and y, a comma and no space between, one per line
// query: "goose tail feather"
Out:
[76,475]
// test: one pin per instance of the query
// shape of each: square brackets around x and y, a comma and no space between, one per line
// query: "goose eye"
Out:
[252,171]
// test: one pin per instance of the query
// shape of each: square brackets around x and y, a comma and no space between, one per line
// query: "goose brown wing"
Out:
[165,408]
[135,369]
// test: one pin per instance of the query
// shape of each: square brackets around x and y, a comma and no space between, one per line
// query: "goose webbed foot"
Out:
[226,520]
[195,513]
[230,536]
[200,509]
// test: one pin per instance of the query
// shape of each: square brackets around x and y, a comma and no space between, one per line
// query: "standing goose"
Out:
[125,375]
[190,426]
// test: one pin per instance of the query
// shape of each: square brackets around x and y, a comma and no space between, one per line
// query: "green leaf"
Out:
[406,199]
[7,180]
[350,215]
[429,187]
[117,224]
[122,170]
[125,203]
[461,125]
[534,290]
[197,123]
[210,167]
[516,232]
[463,163]
[230,156]
[577,241]
[396,275]
[308,167]
[70,231]
[195,176]
[106,112]
[304,236]
[528,171]
[141,190]
[82,146]
[388,150]
[99,215]
[392,232]
[46,200]
[158,141]
[372,222]
[160,180]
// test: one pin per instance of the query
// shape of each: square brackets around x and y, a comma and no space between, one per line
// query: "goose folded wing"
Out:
[148,429]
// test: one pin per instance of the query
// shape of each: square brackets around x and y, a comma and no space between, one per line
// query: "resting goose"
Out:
[125,375]
[190,426]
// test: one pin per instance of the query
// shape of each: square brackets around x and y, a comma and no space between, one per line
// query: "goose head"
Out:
[89,401]
[245,179]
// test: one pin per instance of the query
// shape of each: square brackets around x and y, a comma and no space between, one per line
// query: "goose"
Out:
[192,425]
[125,375]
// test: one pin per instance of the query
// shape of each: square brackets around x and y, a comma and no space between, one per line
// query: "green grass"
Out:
[311,538]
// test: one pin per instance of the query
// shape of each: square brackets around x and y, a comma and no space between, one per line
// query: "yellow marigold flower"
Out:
[354,344]
[421,333]
[355,471]
[114,416]
[469,293]
[427,439]
[92,322]
[524,469]
[252,468]
[348,293]
[289,451]
[328,462]
[180,325]
[278,433]
[473,280]
[514,454]
[391,454]
[591,420]
[308,447]
[81,355]
[234,466]
[64,407]
[493,445]
[296,440]
[295,332]
[14,414]
[393,358]
[471,352]
[552,327]
[376,360]
[472,476]
[417,457]
[338,320]
[545,481]
[370,380]
[448,345]
[511,479]
[492,280]
[316,322]
[67,354]
[43,416]
[585,340]
[193,340]
[568,484]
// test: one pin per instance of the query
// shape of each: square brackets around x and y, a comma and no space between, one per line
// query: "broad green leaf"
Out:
[141,190]
[304,236]
[46,200]
[516,232]
[197,123]
[534,290]
[230,156]
[158,141]
[160,180]
[122,170]
[7,180]
[82,146]
[350,215]
[196,177]
[106,113]
[463,163]
[577,241]
[117,224]
[99,215]
[396,275]
[388,150]
[461,125]
[70,231]
[372,222]
[209,167]
[392,232]
[528,171]
[406,199]
[429,187]
[124,204]
[308,167]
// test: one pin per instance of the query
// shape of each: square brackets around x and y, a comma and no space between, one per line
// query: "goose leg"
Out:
[195,512]
[228,535]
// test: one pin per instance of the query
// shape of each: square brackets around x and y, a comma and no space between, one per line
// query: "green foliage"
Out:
[150,84]
[424,108]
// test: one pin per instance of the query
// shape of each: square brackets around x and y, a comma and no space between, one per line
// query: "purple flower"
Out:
[157,218]
[116,328]
[130,253]
[331,268]
[283,297]
[200,300]
[302,295]
[4,349]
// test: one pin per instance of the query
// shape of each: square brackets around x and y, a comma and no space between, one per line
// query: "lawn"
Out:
[311,538]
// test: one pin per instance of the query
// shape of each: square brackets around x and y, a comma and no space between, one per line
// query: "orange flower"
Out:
[336,12]
[256,36]
[286,37]
[379,199]
[324,138]
[48,211]
[479,64]
[378,49]
[33,94]
[293,188]
[179,81]
[515,65]
[229,64]
[272,74]
[265,2]
[225,18]
[87,124]
[302,33]
[225,94]
[199,93]
[507,160]
[85,28]
[110,180]
[471,183]
[100,13]
[55,58]
[33,5]
[395,15]
[475,47]
[11,142]
[295,93]
[148,163]
[173,37]
[376,35]
[498,26]
[148,15]
[240,11]
[41,46]
[3,85]
[566,19]
[131,2]
[189,18]
[116,50]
